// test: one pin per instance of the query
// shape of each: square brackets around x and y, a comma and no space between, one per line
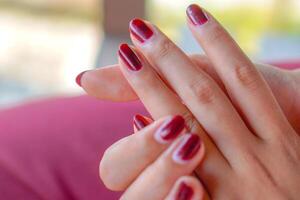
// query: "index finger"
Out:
[246,87]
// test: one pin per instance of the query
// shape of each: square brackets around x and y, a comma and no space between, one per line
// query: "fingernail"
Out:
[170,129]
[140,122]
[187,149]
[196,15]
[78,78]
[140,30]
[129,57]
[185,192]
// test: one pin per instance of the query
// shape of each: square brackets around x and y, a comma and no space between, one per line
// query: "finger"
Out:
[186,187]
[106,83]
[147,84]
[199,92]
[141,149]
[161,101]
[244,84]
[178,160]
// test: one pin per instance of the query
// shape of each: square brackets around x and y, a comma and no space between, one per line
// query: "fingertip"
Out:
[140,122]
[107,83]
[78,78]
[188,188]
[196,15]
[129,57]
[140,30]
[189,150]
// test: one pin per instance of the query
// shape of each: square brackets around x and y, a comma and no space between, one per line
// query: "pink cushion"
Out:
[291,64]
[51,149]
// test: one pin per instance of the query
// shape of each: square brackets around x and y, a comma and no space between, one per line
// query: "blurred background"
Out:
[44,44]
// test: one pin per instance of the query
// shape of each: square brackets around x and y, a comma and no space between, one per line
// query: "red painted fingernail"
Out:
[185,192]
[170,129]
[129,57]
[196,15]
[78,78]
[140,30]
[188,148]
[140,122]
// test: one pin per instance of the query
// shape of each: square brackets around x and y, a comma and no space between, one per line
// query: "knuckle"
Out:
[191,123]
[288,142]
[203,90]
[246,76]
[163,49]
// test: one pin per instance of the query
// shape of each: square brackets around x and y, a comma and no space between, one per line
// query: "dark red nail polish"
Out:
[196,15]
[140,30]
[78,78]
[129,57]
[185,192]
[170,129]
[140,122]
[188,148]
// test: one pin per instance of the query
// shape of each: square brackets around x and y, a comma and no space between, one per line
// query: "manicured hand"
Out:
[244,130]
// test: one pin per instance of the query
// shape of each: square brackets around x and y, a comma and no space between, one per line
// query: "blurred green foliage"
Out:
[246,24]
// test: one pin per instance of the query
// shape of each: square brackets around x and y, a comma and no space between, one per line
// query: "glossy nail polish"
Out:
[140,122]
[78,78]
[140,30]
[185,192]
[129,57]
[187,149]
[196,15]
[170,129]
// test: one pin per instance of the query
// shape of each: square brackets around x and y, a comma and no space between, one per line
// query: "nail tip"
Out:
[79,77]
[140,121]
[193,5]
[170,129]
[190,146]
[185,192]
[122,45]
[196,14]
[140,30]
[129,57]
[136,19]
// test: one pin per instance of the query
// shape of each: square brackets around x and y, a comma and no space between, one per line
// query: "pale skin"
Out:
[249,122]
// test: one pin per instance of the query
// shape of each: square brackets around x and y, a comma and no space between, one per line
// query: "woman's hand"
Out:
[162,155]
[245,132]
